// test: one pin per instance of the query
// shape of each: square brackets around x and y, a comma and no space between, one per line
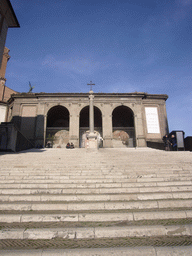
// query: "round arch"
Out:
[84,123]
[57,130]
[123,127]
[58,116]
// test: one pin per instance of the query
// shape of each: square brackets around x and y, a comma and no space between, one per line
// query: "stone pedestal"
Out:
[92,141]
[92,137]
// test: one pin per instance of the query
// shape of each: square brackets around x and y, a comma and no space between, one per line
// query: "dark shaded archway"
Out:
[84,117]
[58,126]
[123,127]
[58,116]
[84,122]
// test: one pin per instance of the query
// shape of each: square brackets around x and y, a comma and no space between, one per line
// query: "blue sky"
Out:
[122,46]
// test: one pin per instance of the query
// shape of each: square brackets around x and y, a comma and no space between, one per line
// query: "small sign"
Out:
[2,113]
[180,139]
[152,120]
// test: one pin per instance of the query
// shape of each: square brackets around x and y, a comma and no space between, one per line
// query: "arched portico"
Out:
[57,130]
[84,123]
[123,127]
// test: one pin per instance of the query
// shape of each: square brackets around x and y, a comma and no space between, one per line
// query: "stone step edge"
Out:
[121,165]
[140,183]
[90,183]
[95,217]
[44,212]
[97,232]
[99,205]
[95,174]
[122,197]
[120,251]
[95,191]
[94,181]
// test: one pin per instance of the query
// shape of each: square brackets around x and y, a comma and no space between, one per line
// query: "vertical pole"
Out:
[91,113]
[92,138]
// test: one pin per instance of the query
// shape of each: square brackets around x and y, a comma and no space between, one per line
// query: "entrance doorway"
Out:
[123,127]
[84,124]
[57,133]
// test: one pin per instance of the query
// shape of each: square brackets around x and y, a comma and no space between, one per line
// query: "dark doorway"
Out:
[123,127]
[58,116]
[57,133]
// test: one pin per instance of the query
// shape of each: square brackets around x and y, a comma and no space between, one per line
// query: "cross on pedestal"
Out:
[91,136]
[91,84]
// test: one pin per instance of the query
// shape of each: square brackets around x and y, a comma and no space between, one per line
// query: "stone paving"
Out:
[65,199]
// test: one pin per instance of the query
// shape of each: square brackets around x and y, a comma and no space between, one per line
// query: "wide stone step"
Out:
[94,217]
[110,164]
[91,206]
[135,250]
[60,185]
[123,167]
[104,180]
[97,232]
[112,190]
[95,175]
[96,197]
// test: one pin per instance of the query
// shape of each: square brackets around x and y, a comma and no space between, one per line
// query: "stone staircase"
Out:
[86,198]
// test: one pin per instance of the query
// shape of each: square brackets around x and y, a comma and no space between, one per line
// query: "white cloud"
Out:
[184,2]
[121,87]
[77,65]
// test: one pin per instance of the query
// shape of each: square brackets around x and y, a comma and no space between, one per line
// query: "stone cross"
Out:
[91,84]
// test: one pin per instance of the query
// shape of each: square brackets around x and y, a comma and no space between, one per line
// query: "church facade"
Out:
[121,119]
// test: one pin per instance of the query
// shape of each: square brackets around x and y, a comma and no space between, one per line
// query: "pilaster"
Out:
[139,127]
[74,125]
[39,132]
[107,126]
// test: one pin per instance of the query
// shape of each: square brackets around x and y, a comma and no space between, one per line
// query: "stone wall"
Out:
[7,19]
[5,93]
[11,139]
[3,35]
[30,111]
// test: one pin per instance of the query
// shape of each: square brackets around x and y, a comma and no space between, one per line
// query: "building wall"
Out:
[3,112]
[7,20]
[29,113]
[3,35]
[5,59]
[5,93]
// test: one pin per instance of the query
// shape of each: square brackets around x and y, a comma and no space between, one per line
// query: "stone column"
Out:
[91,113]
[92,136]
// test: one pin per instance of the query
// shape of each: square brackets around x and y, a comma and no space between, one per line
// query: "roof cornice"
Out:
[122,95]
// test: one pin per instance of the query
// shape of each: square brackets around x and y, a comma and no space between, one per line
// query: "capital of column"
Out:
[91,97]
